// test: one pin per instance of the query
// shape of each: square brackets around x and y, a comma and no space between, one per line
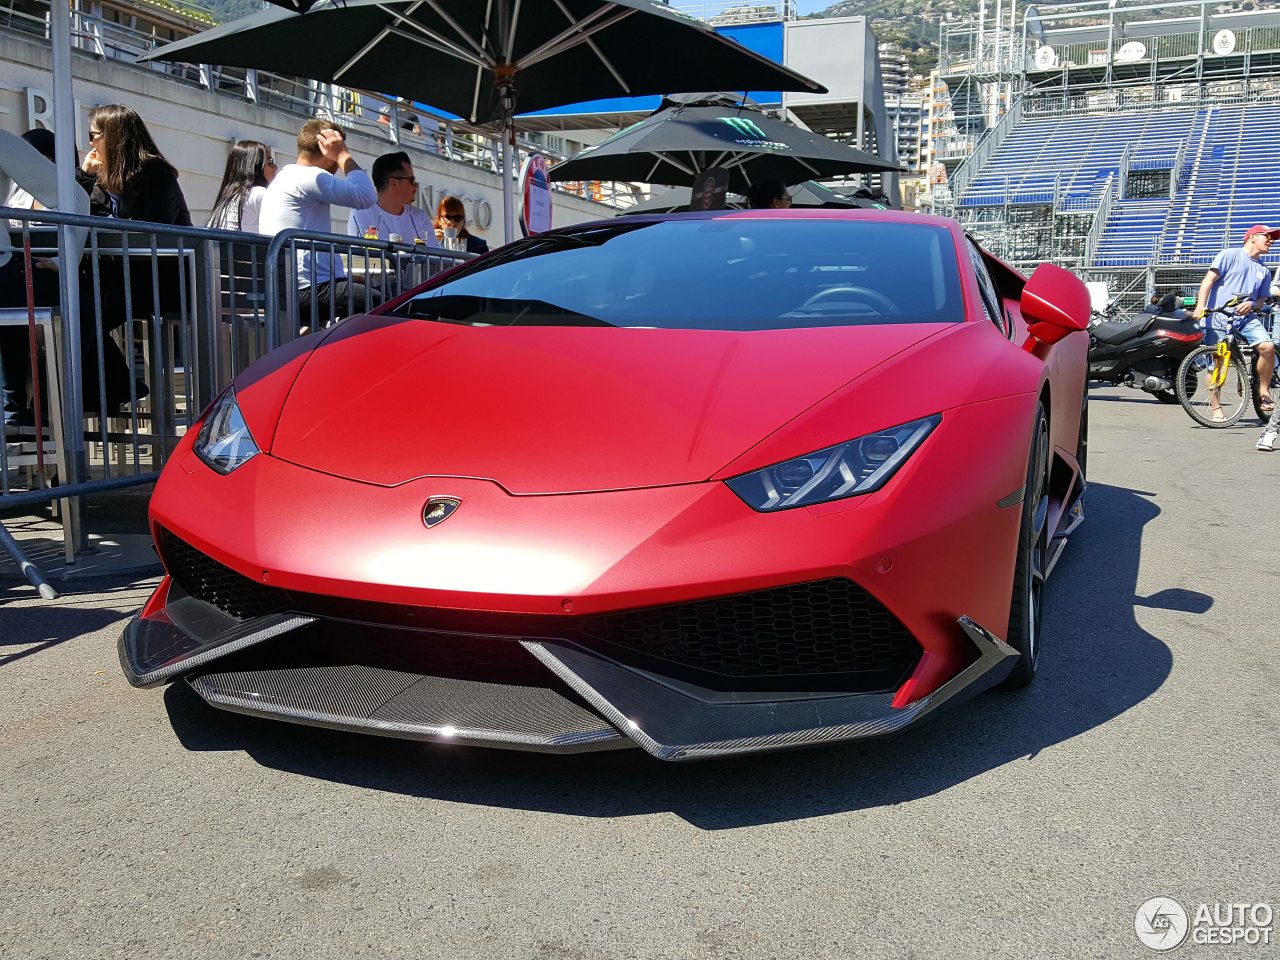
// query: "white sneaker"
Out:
[1267,441]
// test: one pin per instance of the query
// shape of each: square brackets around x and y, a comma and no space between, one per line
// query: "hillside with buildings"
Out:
[911,24]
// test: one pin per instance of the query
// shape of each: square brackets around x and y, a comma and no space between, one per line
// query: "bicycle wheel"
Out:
[1273,389]
[1207,405]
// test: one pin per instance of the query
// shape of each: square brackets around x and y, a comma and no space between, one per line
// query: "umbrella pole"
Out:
[504,76]
[508,188]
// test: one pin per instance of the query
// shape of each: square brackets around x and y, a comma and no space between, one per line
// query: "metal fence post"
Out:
[204,337]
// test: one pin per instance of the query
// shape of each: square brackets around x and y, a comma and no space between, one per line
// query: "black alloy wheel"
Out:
[1026,610]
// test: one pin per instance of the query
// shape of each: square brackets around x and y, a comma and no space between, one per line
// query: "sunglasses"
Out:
[94,134]
[412,180]
[455,217]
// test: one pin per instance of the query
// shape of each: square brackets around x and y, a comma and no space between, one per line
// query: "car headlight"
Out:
[845,470]
[224,442]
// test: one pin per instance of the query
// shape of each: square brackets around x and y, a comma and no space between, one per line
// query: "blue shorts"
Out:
[1253,331]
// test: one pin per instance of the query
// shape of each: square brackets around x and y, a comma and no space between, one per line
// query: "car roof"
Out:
[800,213]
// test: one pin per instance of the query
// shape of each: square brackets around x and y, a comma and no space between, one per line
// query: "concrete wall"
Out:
[834,52]
[195,128]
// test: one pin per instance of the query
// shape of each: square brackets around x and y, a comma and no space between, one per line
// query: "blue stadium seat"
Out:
[1222,181]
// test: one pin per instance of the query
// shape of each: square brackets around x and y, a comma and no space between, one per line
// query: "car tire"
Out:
[1082,442]
[1026,609]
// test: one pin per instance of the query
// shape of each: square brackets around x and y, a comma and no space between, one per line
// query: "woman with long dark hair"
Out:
[250,167]
[135,181]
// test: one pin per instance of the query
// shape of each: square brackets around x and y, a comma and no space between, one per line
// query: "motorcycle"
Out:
[1143,351]
[1106,314]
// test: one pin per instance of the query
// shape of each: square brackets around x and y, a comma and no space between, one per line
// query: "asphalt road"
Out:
[1142,761]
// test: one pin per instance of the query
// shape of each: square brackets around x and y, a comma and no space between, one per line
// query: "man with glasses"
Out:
[1238,272]
[393,217]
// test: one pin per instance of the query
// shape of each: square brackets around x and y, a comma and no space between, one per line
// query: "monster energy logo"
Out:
[751,134]
[748,128]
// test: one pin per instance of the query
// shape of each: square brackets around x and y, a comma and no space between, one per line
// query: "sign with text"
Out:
[535,195]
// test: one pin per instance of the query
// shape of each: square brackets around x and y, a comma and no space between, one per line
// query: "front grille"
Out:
[823,627]
[827,634]
[208,580]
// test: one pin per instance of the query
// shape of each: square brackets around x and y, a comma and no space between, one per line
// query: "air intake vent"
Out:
[208,580]
[823,627]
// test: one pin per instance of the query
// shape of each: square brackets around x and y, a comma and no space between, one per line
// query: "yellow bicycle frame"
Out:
[1221,364]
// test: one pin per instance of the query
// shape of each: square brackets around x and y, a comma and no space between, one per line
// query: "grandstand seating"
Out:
[1223,175]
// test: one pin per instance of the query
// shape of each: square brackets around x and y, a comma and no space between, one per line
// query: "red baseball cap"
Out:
[1272,232]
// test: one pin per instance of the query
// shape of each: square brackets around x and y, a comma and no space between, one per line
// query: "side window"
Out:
[990,298]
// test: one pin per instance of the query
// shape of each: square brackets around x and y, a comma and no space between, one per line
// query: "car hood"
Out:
[541,410]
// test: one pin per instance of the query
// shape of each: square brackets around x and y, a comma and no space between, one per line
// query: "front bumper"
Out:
[574,699]
[935,544]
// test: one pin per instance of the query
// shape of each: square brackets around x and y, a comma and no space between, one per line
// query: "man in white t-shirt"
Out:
[300,197]
[394,217]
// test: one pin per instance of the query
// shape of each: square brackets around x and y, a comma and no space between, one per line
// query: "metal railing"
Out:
[376,270]
[1100,218]
[167,317]
[972,166]
[1045,105]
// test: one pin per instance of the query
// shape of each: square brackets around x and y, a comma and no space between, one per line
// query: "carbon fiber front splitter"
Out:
[606,705]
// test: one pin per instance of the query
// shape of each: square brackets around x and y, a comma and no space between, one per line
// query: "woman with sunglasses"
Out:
[250,167]
[135,181]
[451,220]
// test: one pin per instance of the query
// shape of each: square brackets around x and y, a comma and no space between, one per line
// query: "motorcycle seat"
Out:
[1120,331]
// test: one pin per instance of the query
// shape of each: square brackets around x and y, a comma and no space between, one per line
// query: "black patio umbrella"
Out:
[807,194]
[678,142]
[475,58]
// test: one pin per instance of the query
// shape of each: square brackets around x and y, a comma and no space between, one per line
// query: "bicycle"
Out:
[1217,382]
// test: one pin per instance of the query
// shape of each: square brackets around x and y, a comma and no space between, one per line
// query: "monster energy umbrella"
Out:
[675,144]
[471,57]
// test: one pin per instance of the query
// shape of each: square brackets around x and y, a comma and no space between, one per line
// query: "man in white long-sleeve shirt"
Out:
[300,197]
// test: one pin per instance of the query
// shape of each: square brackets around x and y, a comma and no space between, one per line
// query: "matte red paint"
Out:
[562,409]
[588,463]
[1054,303]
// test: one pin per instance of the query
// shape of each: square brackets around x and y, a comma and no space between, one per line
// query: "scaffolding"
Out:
[1090,58]
[1092,47]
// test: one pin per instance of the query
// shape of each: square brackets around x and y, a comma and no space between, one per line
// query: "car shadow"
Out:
[1097,664]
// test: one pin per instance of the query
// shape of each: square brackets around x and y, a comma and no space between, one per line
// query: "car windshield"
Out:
[733,273]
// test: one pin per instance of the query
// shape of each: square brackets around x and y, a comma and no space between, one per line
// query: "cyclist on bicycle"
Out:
[1238,272]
